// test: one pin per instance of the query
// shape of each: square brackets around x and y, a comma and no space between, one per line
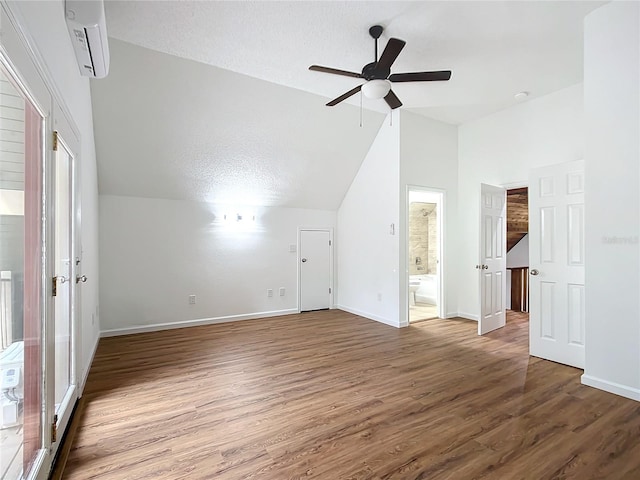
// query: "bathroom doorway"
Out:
[424,247]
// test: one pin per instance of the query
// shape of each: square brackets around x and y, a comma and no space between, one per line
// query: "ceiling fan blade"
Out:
[421,76]
[391,52]
[335,71]
[393,101]
[344,96]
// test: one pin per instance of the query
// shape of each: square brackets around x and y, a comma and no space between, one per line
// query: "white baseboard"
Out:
[85,375]
[370,316]
[611,387]
[193,323]
[469,316]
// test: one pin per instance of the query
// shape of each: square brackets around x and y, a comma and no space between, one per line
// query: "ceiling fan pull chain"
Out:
[361,108]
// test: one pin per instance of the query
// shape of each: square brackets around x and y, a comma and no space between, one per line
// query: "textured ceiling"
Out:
[172,128]
[495,49]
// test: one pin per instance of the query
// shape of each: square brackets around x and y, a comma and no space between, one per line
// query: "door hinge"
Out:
[329,290]
[55,141]
[329,242]
[54,429]
[54,286]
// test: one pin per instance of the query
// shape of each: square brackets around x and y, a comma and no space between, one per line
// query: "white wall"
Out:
[367,253]
[44,22]
[518,256]
[154,253]
[500,150]
[429,158]
[612,200]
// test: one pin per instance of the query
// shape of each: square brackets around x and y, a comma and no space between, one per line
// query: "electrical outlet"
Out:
[269,292]
[192,299]
[282,291]
[379,297]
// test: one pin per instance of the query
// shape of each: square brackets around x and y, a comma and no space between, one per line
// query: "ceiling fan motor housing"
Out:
[370,72]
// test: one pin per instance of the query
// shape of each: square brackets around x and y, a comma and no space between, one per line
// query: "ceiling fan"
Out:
[377,73]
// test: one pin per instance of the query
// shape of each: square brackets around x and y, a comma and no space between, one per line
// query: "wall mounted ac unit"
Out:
[88,30]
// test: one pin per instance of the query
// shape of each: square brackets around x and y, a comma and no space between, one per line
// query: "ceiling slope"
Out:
[172,128]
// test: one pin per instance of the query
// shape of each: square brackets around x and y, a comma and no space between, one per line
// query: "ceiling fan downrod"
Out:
[375,32]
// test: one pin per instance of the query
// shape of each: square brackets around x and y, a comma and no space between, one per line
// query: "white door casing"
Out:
[315,269]
[556,258]
[493,259]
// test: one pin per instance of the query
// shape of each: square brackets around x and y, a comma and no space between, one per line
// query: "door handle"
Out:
[62,279]
[303,260]
[534,272]
[485,267]
[81,278]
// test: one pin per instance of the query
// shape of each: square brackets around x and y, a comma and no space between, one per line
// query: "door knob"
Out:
[534,272]
[81,278]
[485,267]
[62,279]
[477,267]
[304,260]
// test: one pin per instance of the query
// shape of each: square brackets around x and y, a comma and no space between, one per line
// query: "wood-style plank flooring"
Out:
[330,395]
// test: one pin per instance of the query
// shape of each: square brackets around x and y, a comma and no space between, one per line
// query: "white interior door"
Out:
[493,259]
[556,257]
[315,270]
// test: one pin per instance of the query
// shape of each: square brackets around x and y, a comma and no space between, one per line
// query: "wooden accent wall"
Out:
[517,215]
[520,289]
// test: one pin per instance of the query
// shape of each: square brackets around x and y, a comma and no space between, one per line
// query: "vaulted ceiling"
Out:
[213,101]
[172,128]
[495,49]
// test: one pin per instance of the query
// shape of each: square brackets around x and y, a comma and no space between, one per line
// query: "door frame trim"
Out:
[331,264]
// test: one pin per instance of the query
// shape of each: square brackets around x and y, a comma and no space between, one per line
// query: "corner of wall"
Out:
[367,232]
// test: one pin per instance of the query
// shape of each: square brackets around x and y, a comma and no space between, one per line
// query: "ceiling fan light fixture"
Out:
[376,89]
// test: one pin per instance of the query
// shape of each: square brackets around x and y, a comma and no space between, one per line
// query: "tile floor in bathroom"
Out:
[422,311]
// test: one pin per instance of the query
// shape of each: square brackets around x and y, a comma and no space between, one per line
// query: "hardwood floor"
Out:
[330,395]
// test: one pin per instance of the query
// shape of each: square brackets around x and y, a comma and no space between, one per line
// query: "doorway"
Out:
[518,250]
[315,269]
[424,249]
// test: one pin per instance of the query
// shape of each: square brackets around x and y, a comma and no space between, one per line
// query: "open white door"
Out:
[556,258]
[493,259]
[315,270]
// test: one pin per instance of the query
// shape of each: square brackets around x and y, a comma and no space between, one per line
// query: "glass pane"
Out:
[21,399]
[63,273]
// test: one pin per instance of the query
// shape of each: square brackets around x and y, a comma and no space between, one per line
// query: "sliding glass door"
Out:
[21,284]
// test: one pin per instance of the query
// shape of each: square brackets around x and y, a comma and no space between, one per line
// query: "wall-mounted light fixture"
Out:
[238,217]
